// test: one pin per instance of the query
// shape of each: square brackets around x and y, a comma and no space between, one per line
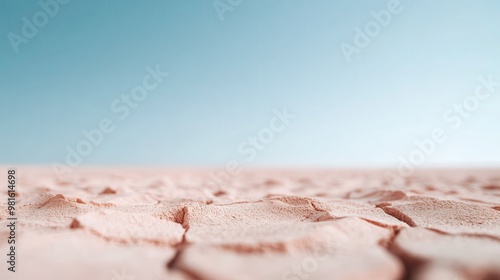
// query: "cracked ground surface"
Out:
[124,224]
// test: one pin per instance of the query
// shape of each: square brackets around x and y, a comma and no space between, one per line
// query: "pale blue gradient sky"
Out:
[227,76]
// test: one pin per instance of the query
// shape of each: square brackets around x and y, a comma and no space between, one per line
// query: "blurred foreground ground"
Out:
[124,224]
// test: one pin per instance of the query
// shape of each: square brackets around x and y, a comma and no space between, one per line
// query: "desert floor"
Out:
[125,223]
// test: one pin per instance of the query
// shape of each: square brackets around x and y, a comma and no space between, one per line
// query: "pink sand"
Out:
[123,224]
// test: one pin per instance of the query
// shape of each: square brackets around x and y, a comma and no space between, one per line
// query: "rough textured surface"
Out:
[124,224]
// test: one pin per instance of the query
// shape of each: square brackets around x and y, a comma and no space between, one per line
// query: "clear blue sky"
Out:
[226,76]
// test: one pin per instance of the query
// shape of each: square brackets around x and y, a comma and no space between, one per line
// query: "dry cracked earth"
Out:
[124,224]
